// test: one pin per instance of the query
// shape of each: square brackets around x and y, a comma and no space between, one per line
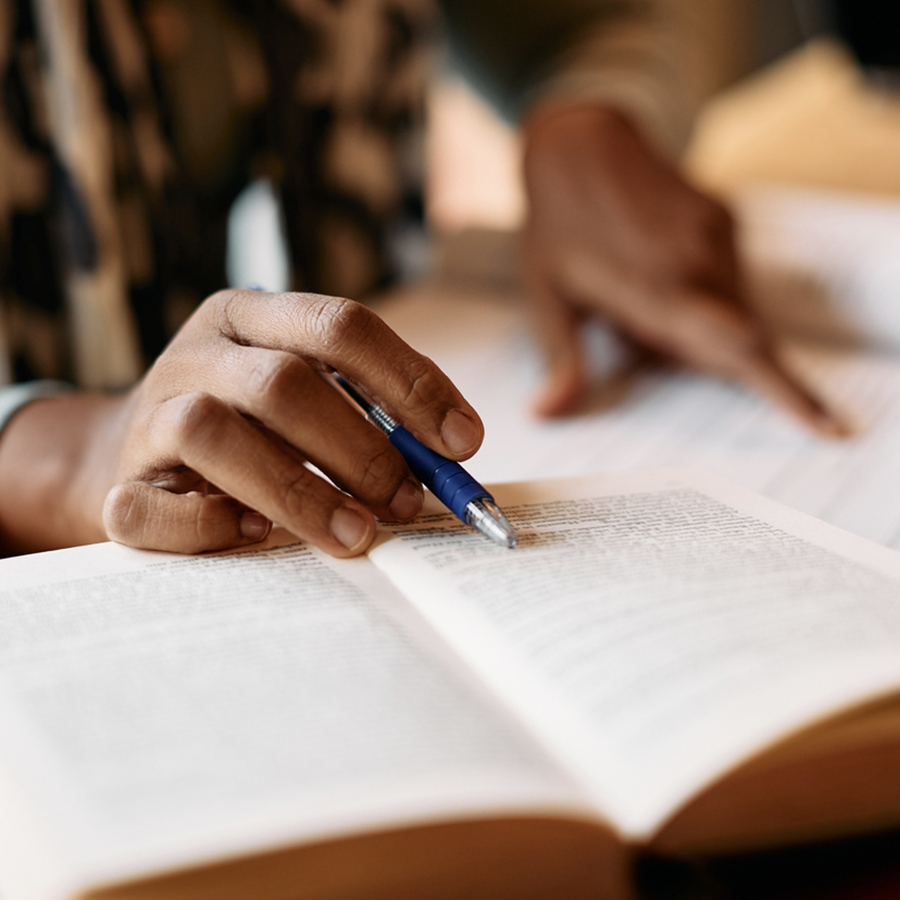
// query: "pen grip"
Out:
[446,479]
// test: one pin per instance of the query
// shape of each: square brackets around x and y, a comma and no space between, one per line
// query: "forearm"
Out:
[52,481]
[632,56]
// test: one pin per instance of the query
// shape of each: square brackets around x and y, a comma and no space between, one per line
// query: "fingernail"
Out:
[254,525]
[460,433]
[407,501]
[350,528]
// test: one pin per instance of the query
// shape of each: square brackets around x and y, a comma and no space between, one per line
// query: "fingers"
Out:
[701,328]
[293,402]
[710,334]
[236,401]
[620,233]
[763,373]
[556,328]
[208,436]
[142,515]
[348,337]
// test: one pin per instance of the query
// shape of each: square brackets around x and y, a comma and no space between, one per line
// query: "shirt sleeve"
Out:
[14,397]
[631,54]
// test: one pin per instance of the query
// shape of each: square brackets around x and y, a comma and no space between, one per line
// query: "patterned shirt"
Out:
[128,127]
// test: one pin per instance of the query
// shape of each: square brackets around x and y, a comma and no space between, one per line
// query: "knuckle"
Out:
[424,385]
[222,298]
[713,225]
[338,322]
[296,489]
[277,378]
[379,477]
[211,516]
[699,254]
[730,333]
[225,308]
[695,261]
[196,418]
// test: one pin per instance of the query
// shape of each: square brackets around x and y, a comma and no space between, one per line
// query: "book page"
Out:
[657,629]
[159,710]
[649,419]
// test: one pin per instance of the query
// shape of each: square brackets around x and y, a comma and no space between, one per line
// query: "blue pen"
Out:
[446,479]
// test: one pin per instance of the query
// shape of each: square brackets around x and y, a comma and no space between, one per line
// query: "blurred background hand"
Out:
[614,230]
[210,447]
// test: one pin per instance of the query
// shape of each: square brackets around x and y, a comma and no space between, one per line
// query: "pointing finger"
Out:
[715,336]
[556,328]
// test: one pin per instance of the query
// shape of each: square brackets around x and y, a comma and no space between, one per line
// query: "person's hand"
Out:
[210,448]
[615,231]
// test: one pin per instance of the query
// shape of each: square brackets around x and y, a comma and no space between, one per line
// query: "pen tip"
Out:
[484,515]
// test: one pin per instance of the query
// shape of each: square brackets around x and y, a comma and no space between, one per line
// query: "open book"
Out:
[667,661]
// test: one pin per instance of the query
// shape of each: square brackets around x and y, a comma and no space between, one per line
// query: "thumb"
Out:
[141,515]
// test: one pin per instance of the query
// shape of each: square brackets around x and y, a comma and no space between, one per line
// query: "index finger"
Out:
[334,333]
[717,336]
[763,373]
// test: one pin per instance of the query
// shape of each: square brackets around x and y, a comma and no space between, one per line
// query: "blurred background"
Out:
[802,92]
[790,93]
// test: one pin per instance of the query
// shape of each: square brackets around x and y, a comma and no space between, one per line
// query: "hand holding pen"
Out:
[211,446]
[446,479]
